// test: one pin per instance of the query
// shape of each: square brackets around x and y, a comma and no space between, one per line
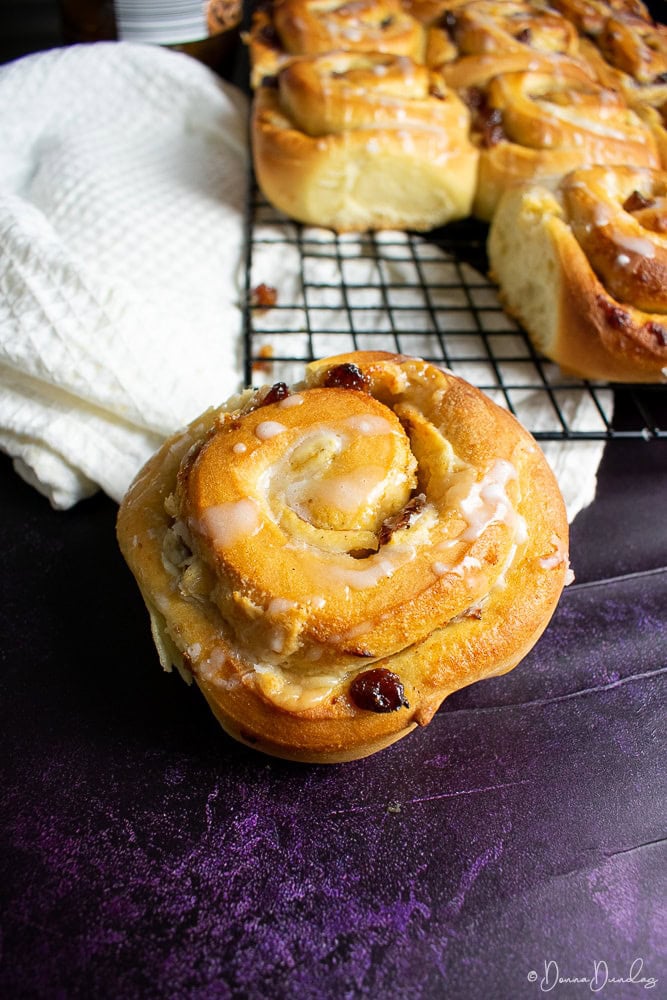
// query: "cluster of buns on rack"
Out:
[547,120]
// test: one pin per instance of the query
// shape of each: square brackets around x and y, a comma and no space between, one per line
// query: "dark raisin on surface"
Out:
[278,391]
[403,519]
[378,690]
[659,332]
[491,128]
[264,296]
[449,23]
[347,376]
[617,318]
[386,23]
[474,97]
[269,36]
[636,201]
[487,121]
[524,36]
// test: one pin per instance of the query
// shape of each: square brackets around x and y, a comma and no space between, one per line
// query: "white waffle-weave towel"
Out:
[122,186]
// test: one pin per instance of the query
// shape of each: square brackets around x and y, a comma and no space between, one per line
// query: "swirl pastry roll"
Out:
[539,125]
[633,58]
[363,141]
[591,16]
[289,28]
[584,269]
[513,34]
[330,561]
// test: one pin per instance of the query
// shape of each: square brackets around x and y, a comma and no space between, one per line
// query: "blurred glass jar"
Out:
[205,30]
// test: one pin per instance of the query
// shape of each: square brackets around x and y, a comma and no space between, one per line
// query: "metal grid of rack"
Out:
[312,293]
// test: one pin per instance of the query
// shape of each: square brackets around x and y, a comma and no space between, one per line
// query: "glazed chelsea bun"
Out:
[329,561]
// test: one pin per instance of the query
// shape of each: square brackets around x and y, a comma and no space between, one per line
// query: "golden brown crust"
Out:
[591,16]
[244,535]
[363,141]
[549,90]
[312,27]
[500,28]
[583,269]
[552,123]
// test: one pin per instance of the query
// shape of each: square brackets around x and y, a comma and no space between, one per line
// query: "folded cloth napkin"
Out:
[123,170]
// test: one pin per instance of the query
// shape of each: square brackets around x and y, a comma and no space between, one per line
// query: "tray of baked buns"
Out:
[482,184]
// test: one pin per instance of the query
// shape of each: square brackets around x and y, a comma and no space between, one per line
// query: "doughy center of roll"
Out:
[340,525]
[328,471]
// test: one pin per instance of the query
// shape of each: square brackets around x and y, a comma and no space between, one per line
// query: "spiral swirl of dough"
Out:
[502,29]
[364,141]
[403,525]
[492,26]
[345,91]
[551,123]
[629,54]
[314,27]
[584,268]
[637,47]
[546,111]
[619,218]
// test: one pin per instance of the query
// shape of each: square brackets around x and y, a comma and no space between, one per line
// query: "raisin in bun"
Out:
[330,561]
[583,266]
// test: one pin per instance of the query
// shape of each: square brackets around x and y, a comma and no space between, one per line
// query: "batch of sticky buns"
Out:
[329,560]
[548,120]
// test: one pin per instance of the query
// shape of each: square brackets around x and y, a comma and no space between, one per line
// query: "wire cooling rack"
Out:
[311,293]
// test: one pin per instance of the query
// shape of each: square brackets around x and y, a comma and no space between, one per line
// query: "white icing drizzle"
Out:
[370,424]
[361,574]
[460,569]
[356,631]
[348,492]
[239,448]
[488,503]
[289,401]
[555,558]
[501,579]
[345,493]
[209,668]
[228,523]
[279,605]
[268,429]
[600,216]
[282,690]
[634,244]
[467,563]
[277,639]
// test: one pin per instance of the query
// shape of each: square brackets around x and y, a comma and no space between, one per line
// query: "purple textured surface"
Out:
[146,855]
